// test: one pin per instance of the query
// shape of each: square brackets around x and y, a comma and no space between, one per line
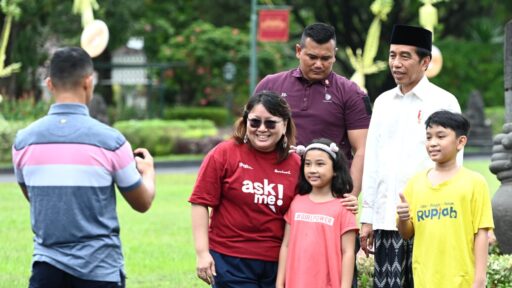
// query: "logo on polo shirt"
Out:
[328,97]
[283,94]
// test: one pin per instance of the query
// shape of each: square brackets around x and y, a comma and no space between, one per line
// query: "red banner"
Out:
[273,25]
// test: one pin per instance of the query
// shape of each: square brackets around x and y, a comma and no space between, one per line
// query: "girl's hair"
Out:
[341,182]
[276,106]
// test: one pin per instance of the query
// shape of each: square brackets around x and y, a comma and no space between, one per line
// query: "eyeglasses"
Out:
[256,123]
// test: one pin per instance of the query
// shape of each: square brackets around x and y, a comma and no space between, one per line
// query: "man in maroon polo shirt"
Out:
[324,104]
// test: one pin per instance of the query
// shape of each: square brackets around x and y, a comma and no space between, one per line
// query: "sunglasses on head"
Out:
[256,123]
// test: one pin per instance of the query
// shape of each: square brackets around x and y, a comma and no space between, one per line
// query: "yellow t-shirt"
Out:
[446,218]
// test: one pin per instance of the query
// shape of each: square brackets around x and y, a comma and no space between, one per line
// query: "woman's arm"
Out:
[283,253]
[205,266]
[348,243]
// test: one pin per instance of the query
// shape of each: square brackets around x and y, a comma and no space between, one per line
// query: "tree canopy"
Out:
[206,34]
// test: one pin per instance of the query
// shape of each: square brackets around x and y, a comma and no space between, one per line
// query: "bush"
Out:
[8,131]
[160,137]
[218,115]
[499,269]
[364,271]
[23,109]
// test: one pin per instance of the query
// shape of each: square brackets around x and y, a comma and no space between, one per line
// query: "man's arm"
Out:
[25,192]
[357,139]
[140,198]
[481,249]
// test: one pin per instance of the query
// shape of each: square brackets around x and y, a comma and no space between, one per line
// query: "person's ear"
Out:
[89,83]
[461,142]
[425,62]
[298,49]
[49,84]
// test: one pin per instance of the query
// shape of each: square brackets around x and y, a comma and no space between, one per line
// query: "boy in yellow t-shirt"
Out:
[448,211]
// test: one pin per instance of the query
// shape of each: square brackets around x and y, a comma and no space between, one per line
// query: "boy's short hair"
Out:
[68,66]
[321,33]
[450,120]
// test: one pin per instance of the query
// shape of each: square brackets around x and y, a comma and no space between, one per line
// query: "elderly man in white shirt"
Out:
[395,150]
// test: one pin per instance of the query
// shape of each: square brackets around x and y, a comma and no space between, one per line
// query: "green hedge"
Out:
[8,131]
[23,109]
[218,115]
[161,137]
[499,270]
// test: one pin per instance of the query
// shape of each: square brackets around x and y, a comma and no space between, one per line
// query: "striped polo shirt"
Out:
[68,162]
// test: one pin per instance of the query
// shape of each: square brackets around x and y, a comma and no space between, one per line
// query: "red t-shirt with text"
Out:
[249,194]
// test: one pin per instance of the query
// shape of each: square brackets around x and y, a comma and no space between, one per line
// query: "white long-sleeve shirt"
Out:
[395,147]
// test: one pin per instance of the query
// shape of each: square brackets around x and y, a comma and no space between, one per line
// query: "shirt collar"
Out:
[69,108]
[420,90]
[326,82]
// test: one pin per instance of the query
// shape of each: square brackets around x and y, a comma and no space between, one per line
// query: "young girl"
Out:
[319,238]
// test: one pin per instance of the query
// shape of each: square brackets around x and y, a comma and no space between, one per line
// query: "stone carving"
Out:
[481,131]
[501,160]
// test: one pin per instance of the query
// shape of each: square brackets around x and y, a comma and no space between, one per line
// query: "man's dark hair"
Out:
[422,53]
[449,120]
[69,66]
[321,33]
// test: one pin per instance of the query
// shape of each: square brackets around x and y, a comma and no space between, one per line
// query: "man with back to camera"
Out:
[66,164]
[325,104]
[395,151]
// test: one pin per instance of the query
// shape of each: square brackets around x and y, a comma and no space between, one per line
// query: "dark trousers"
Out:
[393,260]
[45,275]
[236,272]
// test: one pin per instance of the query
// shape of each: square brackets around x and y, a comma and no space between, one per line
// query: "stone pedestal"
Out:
[501,165]
[501,203]
[501,160]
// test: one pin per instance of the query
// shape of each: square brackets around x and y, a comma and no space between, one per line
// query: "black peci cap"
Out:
[413,36]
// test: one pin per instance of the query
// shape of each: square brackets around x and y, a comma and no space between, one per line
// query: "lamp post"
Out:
[253,60]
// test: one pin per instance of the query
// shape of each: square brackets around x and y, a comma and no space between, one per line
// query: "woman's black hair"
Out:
[341,181]
[276,106]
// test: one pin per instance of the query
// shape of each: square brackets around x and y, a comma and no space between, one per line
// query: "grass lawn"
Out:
[157,245]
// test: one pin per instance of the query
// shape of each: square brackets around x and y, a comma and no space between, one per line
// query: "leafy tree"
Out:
[48,24]
[352,18]
[206,49]
[45,24]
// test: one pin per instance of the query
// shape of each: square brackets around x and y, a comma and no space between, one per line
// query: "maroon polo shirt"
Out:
[322,109]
